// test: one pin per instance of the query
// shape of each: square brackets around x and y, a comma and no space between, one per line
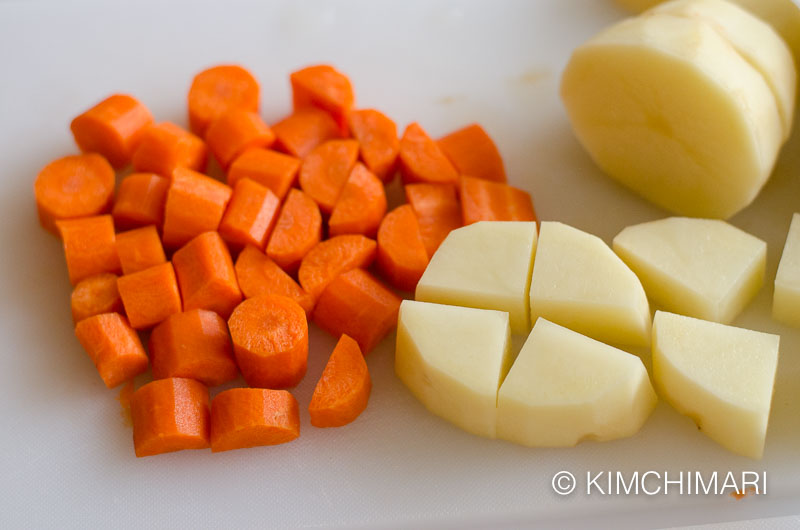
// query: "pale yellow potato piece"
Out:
[786,297]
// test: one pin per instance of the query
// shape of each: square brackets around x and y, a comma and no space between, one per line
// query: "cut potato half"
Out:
[786,297]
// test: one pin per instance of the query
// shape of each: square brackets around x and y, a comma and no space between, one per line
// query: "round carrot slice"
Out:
[95,295]
[217,90]
[343,389]
[331,258]
[402,257]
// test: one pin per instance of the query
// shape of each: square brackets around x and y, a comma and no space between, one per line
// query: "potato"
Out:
[786,297]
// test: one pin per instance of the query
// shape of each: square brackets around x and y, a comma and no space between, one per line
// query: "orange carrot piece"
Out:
[438,212]
[195,204]
[95,295]
[217,90]
[72,187]
[361,205]
[324,87]
[112,128]
[195,345]
[357,304]
[331,258]
[304,130]
[258,275]
[270,341]
[89,246]
[165,146]
[140,201]
[235,131]
[298,230]
[377,138]
[251,215]
[473,153]
[421,159]
[150,296]
[272,169]
[113,346]
[402,257]
[484,200]
[252,417]
[325,170]
[140,249]
[343,389]
[170,415]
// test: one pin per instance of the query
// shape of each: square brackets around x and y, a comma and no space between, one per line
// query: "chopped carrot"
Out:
[252,417]
[89,246]
[217,90]
[473,153]
[170,415]
[95,295]
[195,345]
[235,131]
[72,187]
[140,201]
[361,204]
[112,128]
[484,200]
[150,296]
[113,346]
[357,304]
[251,215]
[325,170]
[438,212]
[165,146]
[402,257]
[343,389]
[298,230]
[377,139]
[140,249]
[269,168]
[421,159]
[206,276]
[324,87]
[331,258]
[304,130]
[258,275]
[195,204]
[270,341]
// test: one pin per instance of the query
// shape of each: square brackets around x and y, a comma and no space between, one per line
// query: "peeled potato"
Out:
[786,298]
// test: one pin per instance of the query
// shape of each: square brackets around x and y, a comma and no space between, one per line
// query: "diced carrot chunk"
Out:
[298,230]
[421,159]
[89,246]
[325,170]
[342,391]
[165,146]
[402,257]
[252,213]
[251,417]
[473,153]
[324,87]
[235,131]
[484,200]
[361,205]
[140,249]
[331,258]
[95,295]
[140,201]
[304,130]
[113,346]
[272,169]
[150,295]
[218,89]
[195,204]
[438,212]
[258,275]
[377,138]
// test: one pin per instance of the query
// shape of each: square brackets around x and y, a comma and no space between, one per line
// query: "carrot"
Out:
[95,295]
[206,276]
[217,90]
[195,204]
[251,215]
[235,131]
[89,246]
[298,230]
[324,87]
[377,139]
[343,389]
[361,204]
[272,169]
[112,128]
[165,146]
[140,249]
[421,159]
[72,187]
[140,201]
[270,341]
[170,415]
[325,170]
[473,153]
[357,304]
[113,346]
[252,417]
[150,296]
[483,200]
[331,258]
[438,212]
[402,257]
[304,130]
[258,275]
[195,345]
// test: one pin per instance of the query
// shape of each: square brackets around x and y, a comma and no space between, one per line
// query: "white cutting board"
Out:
[66,456]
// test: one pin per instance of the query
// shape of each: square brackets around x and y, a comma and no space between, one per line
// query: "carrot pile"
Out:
[224,274]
